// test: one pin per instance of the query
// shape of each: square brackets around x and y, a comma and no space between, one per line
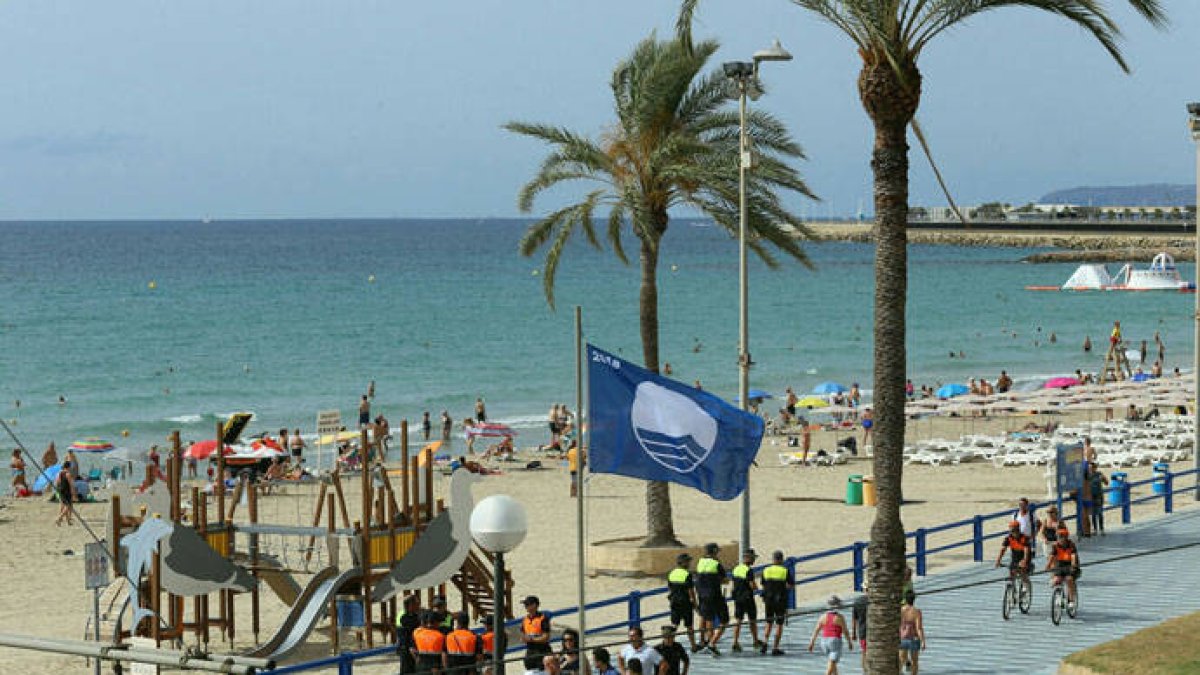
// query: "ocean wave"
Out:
[186,419]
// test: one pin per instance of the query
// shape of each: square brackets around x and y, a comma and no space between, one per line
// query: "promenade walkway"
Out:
[967,634]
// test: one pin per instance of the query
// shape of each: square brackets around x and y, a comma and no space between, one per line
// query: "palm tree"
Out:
[674,143]
[889,36]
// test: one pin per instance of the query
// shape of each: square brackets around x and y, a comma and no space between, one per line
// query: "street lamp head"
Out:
[738,69]
[775,52]
[499,524]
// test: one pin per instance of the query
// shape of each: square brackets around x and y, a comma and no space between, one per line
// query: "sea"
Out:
[147,327]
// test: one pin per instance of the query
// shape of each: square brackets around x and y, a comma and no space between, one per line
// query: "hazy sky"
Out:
[299,108]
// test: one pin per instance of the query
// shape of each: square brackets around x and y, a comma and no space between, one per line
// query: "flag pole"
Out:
[580,461]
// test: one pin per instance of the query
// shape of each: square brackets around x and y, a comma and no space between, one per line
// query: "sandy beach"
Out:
[797,509]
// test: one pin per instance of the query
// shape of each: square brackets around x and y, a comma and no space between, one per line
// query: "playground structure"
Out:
[346,561]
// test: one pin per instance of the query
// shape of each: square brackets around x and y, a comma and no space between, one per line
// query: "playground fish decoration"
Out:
[140,546]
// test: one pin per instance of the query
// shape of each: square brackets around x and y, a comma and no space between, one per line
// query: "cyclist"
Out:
[1022,550]
[1064,561]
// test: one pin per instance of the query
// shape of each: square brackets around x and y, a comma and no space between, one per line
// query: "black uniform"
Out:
[679,595]
[709,575]
[743,594]
[405,625]
[674,655]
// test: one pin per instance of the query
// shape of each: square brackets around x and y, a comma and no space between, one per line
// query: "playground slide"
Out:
[308,609]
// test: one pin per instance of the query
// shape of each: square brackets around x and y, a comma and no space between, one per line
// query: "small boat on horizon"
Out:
[1161,275]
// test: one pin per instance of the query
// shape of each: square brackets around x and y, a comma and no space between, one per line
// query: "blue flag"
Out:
[651,427]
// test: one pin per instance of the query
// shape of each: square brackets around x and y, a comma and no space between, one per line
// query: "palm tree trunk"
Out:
[891,105]
[660,523]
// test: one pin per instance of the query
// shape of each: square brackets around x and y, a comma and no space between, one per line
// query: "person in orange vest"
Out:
[487,640]
[429,646]
[463,646]
[535,628]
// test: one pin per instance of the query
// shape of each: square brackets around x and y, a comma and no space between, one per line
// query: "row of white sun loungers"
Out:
[1117,444]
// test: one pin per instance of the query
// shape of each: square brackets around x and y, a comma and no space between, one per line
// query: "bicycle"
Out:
[1017,594]
[1059,602]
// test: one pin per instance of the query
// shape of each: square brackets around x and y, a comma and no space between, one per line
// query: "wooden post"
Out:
[333,617]
[364,445]
[254,563]
[220,484]
[415,504]
[429,489]
[155,599]
[404,471]
[341,499]
[115,544]
[317,518]
[201,509]
[390,493]
[391,530]
[174,482]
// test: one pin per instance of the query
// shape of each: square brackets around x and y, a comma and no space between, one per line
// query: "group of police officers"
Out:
[703,591]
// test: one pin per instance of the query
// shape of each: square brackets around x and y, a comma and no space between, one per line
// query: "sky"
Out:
[139,109]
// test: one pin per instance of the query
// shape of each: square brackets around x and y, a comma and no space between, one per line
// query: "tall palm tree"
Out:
[890,36]
[674,143]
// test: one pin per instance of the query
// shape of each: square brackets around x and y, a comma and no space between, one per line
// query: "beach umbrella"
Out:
[47,477]
[952,390]
[91,445]
[828,388]
[758,394]
[490,430]
[1060,383]
[202,450]
[339,437]
[812,402]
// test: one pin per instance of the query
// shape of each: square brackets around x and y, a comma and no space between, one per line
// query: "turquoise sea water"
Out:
[281,318]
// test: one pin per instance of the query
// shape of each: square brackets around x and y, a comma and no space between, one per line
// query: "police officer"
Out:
[711,578]
[744,604]
[487,640]
[681,594]
[408,621]
[535,628]
[463,647]
[777,581]
[429,645]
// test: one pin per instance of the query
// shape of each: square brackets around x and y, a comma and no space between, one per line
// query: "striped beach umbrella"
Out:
[91,445]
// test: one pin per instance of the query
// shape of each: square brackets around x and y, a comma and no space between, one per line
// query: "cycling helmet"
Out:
[1014,524]
[1063,531]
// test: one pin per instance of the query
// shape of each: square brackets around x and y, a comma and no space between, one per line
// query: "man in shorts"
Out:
[714,613]
[777,581]
[681,594]
[744,604]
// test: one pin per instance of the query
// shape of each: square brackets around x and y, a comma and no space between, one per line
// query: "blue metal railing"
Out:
[1163,486]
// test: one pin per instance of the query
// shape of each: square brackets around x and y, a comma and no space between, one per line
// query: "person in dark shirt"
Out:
[777,580]
[744,604]
[675,657]
[714,613]
[408,621]
[681,594]
[858,624]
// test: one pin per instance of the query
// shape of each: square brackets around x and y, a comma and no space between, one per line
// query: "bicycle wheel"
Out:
[1057,601]
[1025,595]
[1073,606]
[1010,600]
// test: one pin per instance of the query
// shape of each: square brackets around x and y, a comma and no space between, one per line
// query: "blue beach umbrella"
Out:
[952,390]
[43,481]
[828,388]
[756,394]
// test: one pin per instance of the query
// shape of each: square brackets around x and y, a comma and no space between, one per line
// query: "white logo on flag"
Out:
[672,428]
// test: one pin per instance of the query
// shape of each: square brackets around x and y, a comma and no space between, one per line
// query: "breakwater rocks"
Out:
[1078,246]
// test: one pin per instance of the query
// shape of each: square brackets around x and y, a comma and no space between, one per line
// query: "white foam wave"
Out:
[186,419]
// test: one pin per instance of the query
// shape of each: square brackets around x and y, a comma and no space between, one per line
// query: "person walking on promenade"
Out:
[408,622]
[831,627]
[1097,482]
[675,660]
[681,596]
[912,634]
[858,624]
[714,613]
[777,581]
[745,606]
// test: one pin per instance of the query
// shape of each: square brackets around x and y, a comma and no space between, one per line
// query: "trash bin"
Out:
[868,489]
[1117,487]
[1160,478]
[854,490]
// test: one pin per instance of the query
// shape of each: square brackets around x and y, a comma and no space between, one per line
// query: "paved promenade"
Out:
[967,634]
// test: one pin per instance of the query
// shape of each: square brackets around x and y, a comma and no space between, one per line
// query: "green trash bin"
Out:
[854,490]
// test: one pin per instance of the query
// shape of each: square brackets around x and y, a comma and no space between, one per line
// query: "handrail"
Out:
[921,553]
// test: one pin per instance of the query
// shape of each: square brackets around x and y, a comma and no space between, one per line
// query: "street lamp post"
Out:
[745,76]
[499,525]
[1194,127]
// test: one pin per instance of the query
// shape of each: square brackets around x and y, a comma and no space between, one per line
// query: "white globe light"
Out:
[499,523]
